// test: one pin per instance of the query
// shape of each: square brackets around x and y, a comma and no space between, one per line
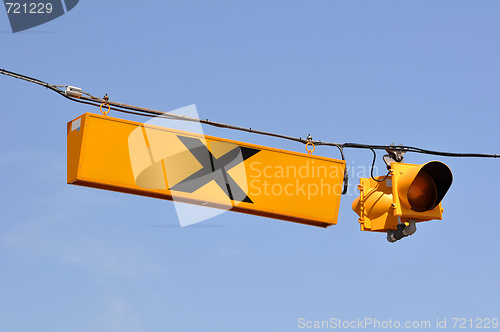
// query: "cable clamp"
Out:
[395,154]
[105,98]
[310,143]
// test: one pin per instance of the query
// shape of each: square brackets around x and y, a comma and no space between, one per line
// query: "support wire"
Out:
[88,99]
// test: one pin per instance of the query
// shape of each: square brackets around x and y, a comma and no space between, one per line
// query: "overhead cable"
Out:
[88,99]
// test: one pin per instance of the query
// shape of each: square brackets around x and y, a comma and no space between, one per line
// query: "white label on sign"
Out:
[75,125]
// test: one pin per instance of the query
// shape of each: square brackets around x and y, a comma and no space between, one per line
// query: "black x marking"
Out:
[214,169]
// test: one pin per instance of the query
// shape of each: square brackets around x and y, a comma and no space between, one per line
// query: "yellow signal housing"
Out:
[374,205]
[411,193]
[419,189]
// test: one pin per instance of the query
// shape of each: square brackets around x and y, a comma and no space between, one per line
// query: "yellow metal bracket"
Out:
[313,148]
[361,189]
[105,112]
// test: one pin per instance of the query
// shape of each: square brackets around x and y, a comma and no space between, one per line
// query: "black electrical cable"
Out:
[346,175]
[373,165]
[135,110]
[406,148]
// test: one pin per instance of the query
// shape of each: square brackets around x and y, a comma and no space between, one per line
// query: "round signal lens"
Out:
[422,193]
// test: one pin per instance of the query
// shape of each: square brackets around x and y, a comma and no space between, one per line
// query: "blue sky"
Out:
[420,73]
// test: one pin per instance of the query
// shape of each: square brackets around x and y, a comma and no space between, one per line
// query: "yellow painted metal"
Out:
[131,157]
[381,204]
[404,175]
[374,205]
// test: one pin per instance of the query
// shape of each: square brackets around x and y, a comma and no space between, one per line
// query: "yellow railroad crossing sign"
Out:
[136,158]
